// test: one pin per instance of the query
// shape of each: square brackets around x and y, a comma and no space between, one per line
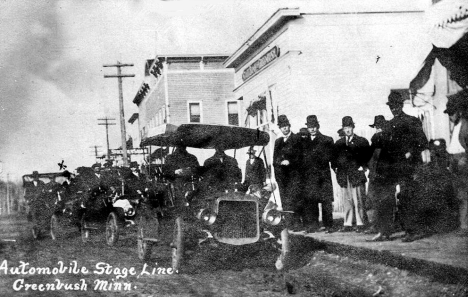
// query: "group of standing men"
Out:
[302,169]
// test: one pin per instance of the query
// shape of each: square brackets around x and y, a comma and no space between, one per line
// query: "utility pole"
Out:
[121,105]
[8,192]
[107,124]
[95,151]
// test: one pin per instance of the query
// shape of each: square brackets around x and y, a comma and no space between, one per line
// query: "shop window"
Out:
[194,112]
[233,113]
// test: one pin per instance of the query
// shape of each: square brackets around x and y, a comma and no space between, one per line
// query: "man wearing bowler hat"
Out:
[286,162]
[316,177]
[349,164]
[407,142]
[35,188]
[254,170]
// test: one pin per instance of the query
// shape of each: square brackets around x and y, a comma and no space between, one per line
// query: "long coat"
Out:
[348,159]
[221,175]
[32,192]
[133,184]
[287,150]
[316,176]
[406,136]
[255,172]
[288,177]
[180,160]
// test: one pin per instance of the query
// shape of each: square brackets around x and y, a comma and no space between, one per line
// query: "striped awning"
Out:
[448,22]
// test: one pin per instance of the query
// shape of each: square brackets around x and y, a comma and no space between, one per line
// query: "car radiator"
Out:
[237,222]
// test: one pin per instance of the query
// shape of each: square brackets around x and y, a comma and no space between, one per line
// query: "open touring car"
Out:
[202,212]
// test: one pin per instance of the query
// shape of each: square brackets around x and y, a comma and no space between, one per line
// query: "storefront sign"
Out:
[137,151]
[258,65]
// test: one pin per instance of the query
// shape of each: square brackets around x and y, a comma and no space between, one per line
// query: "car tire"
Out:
[144,247]
[85,235]
[112,229]
[282,263]
[55,231]
[36,233]
[177,245]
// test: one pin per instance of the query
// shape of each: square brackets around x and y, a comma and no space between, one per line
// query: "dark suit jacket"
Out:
[221,175]
[133,184]
[316,176]
[254,173]
[349,158]
[179,160]
[291,151]
[33,192]
[407,136]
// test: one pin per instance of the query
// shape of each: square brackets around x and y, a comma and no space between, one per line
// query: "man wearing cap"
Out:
[316,177]
[349,164]
[254,170]
[407,142]
[286,163]
[457,110]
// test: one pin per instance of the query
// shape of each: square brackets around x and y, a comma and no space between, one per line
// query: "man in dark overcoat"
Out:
[179,168]
[254,170]
[407,143]
[33,189]
[180,164]
[135,182]
[95,186]
[350,164]
[316,177]
[286,164]
[221,172]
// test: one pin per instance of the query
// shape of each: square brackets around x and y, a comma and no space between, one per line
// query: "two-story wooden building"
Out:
[181,89]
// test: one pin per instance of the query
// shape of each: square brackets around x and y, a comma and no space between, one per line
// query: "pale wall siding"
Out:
[212,88]
[338,73]
[155,101]
[331,69]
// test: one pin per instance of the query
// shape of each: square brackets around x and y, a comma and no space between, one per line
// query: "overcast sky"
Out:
[52,89]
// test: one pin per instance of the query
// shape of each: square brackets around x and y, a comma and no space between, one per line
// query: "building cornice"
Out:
[280,16]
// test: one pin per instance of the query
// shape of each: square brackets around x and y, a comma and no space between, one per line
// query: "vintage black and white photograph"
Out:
[234,148]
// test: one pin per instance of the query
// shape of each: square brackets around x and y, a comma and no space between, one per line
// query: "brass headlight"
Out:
[206,216]
[272,217]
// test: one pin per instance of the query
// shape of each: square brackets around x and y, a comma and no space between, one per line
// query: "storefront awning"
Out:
[448,27]
[449,22]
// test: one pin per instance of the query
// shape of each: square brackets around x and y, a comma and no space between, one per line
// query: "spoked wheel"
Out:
[177,244]
[85,236]
[147,236]
[112,229]
[35,232]
[55,228]
[284,258]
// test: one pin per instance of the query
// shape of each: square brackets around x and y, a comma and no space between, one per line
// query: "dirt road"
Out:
[74,268]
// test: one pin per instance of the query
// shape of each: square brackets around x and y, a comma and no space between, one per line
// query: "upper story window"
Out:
[233,113]
[194,109]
